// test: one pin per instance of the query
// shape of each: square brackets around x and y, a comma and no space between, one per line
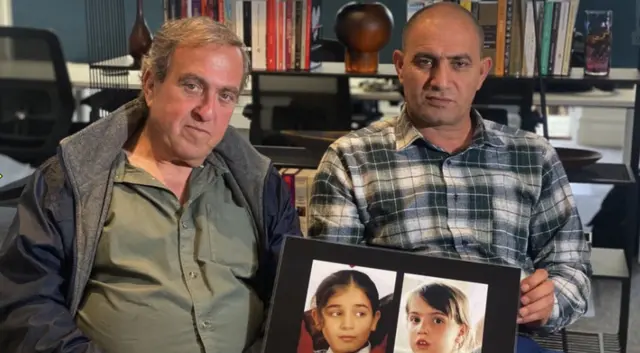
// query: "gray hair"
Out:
[189,32]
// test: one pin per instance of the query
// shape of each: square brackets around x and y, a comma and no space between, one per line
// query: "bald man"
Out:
[442,181]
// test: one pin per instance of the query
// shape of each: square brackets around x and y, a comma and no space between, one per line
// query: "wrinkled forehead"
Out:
[213,64]
[446,35]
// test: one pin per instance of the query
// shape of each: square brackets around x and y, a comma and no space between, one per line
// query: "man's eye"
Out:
[191,87]
[460,64]
[228,97]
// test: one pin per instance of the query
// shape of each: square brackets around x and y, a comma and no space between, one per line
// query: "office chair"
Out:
[36,99]
[282,102]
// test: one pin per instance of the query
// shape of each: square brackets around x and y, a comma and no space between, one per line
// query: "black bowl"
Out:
[576,158]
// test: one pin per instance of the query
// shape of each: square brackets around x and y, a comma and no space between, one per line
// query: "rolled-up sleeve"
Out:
[558,245]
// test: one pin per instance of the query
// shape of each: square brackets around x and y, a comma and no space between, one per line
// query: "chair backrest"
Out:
[36,97]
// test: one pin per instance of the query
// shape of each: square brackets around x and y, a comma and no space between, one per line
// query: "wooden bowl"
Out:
[576,158]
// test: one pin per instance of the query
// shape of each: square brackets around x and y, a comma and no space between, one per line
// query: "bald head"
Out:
[448,11]
[441,67]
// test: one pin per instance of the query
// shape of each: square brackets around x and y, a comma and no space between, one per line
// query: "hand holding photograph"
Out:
[334,298]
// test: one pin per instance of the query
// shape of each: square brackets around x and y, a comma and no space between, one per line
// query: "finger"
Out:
[537,316]
[544,289]
[534,280]
[543,305]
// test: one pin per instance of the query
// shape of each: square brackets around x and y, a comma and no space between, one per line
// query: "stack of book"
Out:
[280,35]
[510,38]
[300,182]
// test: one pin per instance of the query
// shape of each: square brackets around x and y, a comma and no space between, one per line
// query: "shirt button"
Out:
[206,324]
[193,275]
[185,225]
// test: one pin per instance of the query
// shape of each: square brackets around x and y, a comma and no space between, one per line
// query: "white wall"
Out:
[6,14]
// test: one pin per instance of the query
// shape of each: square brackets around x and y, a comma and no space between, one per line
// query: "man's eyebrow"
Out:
[203,82]
[428,55]
[193,77]
[230,89]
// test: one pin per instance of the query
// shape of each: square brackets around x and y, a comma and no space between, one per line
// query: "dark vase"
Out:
[140,37]
[364,28]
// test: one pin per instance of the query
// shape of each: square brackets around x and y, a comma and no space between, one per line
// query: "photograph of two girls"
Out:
[353,309]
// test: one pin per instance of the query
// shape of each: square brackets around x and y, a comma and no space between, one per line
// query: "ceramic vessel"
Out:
[364,28]
[140,37]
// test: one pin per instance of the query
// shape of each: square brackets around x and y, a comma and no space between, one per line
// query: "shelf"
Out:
[602,173]
[119,63]
[617,75]
[388,71]
[335,69]
[599,173]
[290,157]
[621,75]
[609,263]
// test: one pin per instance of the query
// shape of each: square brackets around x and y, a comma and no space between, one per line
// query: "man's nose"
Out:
[440,75]
[205,111]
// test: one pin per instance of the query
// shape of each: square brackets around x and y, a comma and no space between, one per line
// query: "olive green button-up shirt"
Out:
[168,278]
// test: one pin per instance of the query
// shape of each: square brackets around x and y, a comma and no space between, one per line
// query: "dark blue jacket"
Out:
[47,256]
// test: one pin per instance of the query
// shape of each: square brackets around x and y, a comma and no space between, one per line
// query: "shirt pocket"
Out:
[232,239]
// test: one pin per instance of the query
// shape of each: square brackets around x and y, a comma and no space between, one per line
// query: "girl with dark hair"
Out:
[346,311]
[438,320]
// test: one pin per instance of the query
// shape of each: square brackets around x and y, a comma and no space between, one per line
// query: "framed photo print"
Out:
[335,298]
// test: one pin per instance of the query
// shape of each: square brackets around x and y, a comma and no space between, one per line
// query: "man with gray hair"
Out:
[156,229]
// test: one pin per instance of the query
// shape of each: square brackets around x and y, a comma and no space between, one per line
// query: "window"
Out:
[6,18]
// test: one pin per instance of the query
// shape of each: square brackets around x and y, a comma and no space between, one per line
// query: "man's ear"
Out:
[398,62]
[485,69]
[148,84]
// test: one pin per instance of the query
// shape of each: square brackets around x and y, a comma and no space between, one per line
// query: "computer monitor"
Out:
[298,101]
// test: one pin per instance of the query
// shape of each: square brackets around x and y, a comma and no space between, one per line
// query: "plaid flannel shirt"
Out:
[505,200]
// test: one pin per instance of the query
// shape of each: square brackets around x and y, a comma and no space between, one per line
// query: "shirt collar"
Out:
[406,133]
[216,162]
